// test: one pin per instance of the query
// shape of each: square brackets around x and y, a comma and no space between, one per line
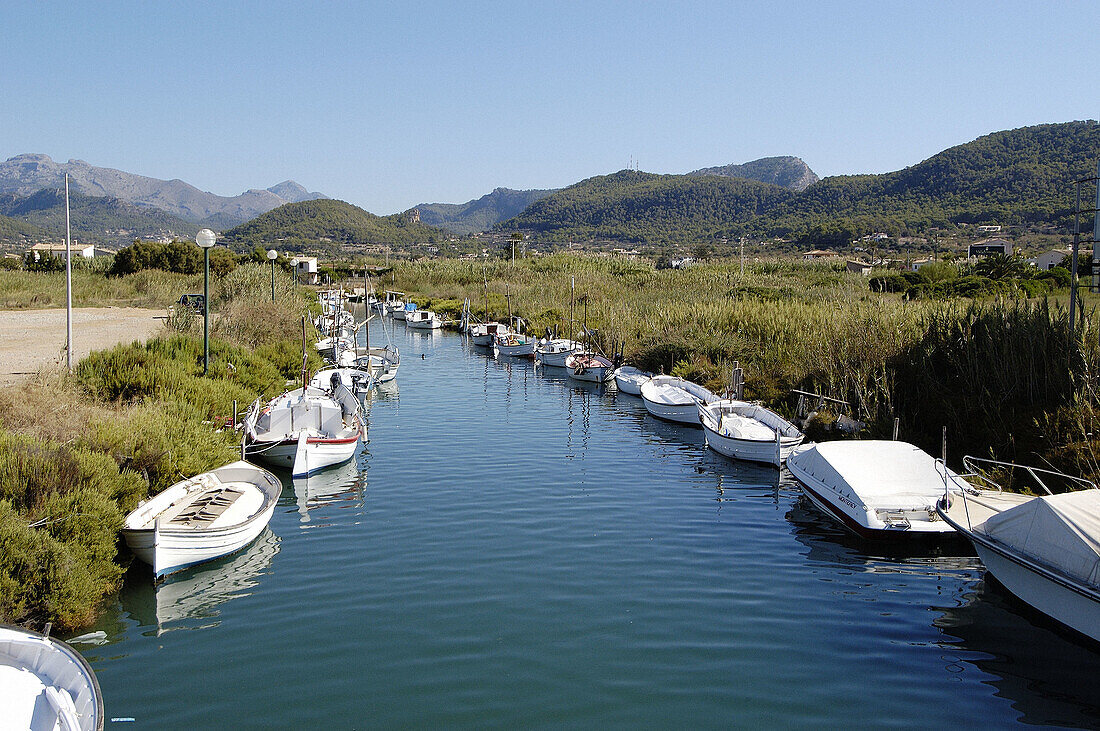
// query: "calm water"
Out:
[511,549]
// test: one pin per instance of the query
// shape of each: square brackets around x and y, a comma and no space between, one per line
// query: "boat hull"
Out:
[630,383]
[752,450]
[322,452]
[687,414]
[168,551]
[46,684]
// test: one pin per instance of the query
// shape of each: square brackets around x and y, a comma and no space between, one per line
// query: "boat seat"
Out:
[206,509]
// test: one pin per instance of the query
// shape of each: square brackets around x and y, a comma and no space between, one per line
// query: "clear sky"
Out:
[391,104]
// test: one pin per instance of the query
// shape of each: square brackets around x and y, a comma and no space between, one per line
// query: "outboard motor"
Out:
[334,382]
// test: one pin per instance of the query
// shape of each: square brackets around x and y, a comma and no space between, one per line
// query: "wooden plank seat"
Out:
[205,509]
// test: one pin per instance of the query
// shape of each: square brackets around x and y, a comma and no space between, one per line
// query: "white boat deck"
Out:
[207,503]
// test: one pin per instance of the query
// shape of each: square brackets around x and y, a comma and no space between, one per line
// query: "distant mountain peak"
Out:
[785,171]
[29,172]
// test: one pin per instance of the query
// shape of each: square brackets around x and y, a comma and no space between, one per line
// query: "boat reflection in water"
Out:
[197,593]
[1048,674]
[341,486]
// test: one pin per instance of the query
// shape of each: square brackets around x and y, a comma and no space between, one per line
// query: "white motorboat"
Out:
[355,379]
[304,429]
[203,517]
[553,352]
[381,363]
[590,367]
[629,379]
[876,489]
[514,345]
[423,320]
[740,430]
[675,399]
[45,684]
[330,347]
[402,313]
[1045,549]
[483,333]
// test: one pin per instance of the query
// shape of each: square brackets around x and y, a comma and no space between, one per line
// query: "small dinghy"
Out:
[304,429]
[1045,549]
[740,430]
[423,320]
[590,367]
[515,345]
[203,517]
[483,333]
[876,489]
[554,352]
[674,399]
[45,684]
[629,379]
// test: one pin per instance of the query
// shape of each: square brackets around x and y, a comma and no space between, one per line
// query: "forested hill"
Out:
[314,221]
[1017,176]
[14,231]
[94,219]
[481,214]
[636,206]
[786,172]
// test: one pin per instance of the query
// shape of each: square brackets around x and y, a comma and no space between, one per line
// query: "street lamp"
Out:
[272,255]
[205,239]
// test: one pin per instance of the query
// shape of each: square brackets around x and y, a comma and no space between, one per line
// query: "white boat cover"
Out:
[879,474]
[677,392]
[1061,531]
[743,427]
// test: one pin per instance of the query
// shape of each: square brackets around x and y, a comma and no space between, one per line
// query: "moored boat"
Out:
[553,352]
[629,379]
[483,333]
[45,684]
[514,344]
[305,429]
[1044,549]
[876,489]
[675,399]
[740,430]
[423,320]
[356,379]
[201,518]
[381,363]
[589,367]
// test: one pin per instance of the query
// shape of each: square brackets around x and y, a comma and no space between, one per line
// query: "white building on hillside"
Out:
[305,269]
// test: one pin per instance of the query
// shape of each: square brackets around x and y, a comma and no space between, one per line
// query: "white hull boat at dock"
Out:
[876,489]
[45,684]
[674,399]
[423,320]
[1045,549]
[355,379]
[590,367]
[304,430]
[514,345]
[483,333]
[740,430]
[381,363]
[203,517]
[630,380]
[553,353]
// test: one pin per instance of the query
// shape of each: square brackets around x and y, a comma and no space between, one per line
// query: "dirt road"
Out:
[30,339]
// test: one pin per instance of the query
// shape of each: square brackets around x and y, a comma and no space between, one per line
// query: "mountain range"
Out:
[24,175]
[1023,176]
[502,204]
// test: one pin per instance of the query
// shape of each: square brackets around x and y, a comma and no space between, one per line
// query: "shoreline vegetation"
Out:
[78,452]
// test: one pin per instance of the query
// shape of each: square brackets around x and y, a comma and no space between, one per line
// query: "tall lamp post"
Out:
[205,239]
[272,255]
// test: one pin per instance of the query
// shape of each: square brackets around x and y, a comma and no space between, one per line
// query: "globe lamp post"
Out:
[205,239]
[272,255]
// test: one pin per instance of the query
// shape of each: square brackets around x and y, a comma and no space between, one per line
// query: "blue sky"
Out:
[391,104]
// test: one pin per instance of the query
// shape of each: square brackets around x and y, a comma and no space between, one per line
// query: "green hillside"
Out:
[93,219]
[1022,176]
[14,231]
[636,206]
[323,220]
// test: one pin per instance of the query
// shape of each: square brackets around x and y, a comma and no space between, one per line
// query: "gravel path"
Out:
[30,339]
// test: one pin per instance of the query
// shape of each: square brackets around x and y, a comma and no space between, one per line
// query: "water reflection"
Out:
[1050,678]
[340,486]
[197,593]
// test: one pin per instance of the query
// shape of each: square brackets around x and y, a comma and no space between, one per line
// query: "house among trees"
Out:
[40,250]
[989,247]
[305,269]
[859,267]
[1049,260]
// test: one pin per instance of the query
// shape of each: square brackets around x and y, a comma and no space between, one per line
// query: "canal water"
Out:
[513,549]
